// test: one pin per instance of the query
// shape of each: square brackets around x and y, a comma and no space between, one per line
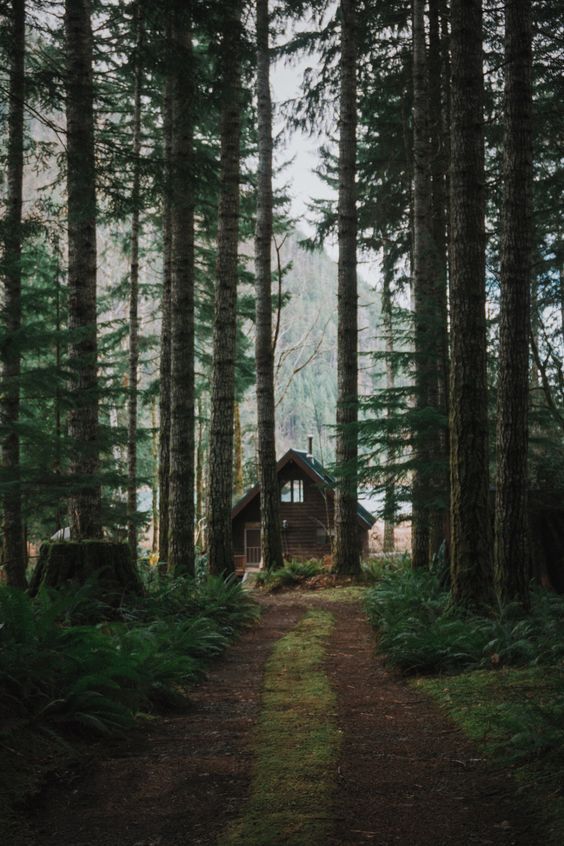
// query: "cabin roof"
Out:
[317,473]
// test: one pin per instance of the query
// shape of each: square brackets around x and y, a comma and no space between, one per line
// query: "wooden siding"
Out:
[307,522]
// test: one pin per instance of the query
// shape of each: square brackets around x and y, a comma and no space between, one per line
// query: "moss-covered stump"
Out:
[107,564]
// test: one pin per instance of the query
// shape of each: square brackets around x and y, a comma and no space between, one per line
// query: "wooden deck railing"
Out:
[253,554]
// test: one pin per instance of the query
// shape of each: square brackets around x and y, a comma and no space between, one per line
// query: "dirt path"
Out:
[405,775]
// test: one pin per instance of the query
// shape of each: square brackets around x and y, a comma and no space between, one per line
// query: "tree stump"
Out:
[107,563]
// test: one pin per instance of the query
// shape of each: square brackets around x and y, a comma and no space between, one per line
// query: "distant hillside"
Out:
[306,354]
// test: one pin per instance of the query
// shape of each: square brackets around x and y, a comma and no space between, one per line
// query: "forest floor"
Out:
[298,737]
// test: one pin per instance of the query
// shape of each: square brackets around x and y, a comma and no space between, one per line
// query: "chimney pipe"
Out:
[310,446]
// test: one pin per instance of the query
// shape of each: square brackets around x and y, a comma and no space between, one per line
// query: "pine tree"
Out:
[182,417]
[438,131]
[389,512]
[134,289]
[220,486]
[271,538]
[511,507]
[425,372]
[85,500]
[13,534]
[347,552]
[471,570]
[165,345]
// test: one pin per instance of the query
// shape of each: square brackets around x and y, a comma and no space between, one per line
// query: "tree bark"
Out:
[165,365]
[200,462]
[471,570]
[238,489]
[438,85]
[512,564]
[220,487]
[155,477]
[347,548]
[182,418]
[58,404]
[424,306]
[13,534]
[388,543]
[271,537]
[134,292]
[85,500]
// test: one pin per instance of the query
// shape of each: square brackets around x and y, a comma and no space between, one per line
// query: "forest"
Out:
[175,330]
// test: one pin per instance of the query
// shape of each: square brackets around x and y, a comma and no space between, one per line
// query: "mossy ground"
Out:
[517,717]
[296,745]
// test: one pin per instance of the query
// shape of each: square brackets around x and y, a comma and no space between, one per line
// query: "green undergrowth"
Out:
[500,676]
[296,745]
[295,574]
[291,574]
[420,632]
[65,679]
[517,717]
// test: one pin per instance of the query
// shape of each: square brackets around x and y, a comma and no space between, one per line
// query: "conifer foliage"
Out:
[140,203]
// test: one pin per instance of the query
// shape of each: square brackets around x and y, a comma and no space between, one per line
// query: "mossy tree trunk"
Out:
[164,364]
[512,559]
[438,93]
[85,504]
[182,416]
[220,485]
[108,565]
[471,569]
[12,528]
[271,536]
[134,291]
[388,543]
[347,548]
[422,291]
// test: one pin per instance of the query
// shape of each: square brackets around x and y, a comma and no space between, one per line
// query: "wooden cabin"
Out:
[306,512]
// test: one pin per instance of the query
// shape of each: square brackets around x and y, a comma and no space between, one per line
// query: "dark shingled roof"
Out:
[316,471]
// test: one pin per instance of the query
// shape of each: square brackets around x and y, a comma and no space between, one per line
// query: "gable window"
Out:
[292,491]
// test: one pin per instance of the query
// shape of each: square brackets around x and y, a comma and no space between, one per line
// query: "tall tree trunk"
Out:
[155,485]
[12,534]
[58,406]
[388,543]
[85,504]
[238,490]
[182,418]
[271,536]
[347,547]
[438,85]
[165,345]
[511,543]
[134,292]
[200,461]
[220,487]
[422,288]
[471,569]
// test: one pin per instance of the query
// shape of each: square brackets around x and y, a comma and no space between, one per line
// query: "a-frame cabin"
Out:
[307,502]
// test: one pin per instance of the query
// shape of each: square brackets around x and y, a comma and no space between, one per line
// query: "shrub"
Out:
[291,574]
[54,669]
[421,632]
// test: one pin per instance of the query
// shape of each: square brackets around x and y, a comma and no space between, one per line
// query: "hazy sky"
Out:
[303,149]
[304,184]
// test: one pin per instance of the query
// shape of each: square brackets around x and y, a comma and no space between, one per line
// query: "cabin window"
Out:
[292,491]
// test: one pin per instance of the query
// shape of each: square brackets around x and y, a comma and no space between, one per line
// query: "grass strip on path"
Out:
[296,745]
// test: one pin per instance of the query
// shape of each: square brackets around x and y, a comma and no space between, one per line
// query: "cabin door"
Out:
[253,553]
